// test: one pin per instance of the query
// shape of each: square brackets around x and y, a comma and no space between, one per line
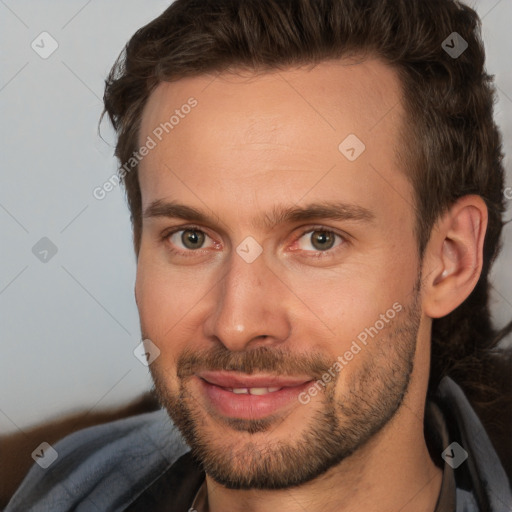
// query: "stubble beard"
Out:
[338,427]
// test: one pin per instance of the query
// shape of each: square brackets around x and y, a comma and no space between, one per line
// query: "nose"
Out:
[249,306]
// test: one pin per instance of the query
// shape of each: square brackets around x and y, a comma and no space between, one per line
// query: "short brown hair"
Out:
[451,146]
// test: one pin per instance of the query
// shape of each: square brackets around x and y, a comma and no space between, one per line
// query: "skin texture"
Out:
[253,143]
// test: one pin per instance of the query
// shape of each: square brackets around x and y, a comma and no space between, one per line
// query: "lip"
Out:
[230,379]
[216,388]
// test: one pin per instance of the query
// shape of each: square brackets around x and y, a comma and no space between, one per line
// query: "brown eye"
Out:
[319,240]
[186,239]
[322,240]
[192,239]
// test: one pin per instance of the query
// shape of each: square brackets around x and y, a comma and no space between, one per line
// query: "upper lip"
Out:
[231,379]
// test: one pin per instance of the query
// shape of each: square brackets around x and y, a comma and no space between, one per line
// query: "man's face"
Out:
[250,308]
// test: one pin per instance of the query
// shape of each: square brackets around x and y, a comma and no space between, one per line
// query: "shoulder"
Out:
[107,465]
[480,470]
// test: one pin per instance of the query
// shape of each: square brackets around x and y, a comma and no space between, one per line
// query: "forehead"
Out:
[328,95]
[272,136]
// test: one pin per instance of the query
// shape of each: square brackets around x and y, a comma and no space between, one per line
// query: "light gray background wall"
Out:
[69,325]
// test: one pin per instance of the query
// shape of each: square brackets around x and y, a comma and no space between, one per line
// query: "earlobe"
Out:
[454,256]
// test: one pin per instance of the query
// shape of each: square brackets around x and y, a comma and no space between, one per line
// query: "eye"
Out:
[189,238]
[319,239]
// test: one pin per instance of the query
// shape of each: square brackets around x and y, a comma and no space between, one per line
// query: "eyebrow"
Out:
[278,215]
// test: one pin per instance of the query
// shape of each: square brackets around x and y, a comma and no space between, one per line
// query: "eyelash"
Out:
[309,229]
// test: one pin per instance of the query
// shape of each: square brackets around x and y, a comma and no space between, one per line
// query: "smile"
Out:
[235,395]
[253,391]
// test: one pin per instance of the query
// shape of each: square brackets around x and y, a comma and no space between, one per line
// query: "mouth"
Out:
[236,395]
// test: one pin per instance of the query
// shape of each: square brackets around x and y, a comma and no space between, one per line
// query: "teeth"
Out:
[254,391]
[258,391]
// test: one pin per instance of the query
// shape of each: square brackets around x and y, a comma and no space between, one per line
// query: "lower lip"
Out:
[245,406]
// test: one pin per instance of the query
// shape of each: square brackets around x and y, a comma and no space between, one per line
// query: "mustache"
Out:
[261,359]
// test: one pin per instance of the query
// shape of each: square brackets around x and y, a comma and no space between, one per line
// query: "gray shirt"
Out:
[143,464]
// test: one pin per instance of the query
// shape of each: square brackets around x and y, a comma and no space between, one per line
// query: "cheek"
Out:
[160,311]
[168,298]
[343,303]
[159,298]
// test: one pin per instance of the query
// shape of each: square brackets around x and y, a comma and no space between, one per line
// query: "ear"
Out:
[453,258]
